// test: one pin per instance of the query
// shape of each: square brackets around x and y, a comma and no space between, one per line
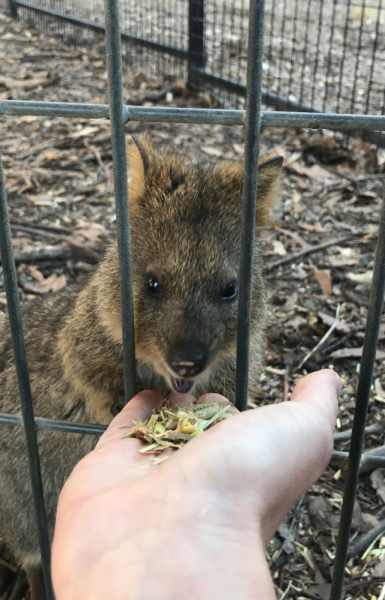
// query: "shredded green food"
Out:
[174,426]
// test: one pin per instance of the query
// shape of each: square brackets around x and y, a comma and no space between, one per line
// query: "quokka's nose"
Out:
[188,360]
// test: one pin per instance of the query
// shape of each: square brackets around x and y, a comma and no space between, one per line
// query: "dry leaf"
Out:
[50,155]
[34,272]
[317,227]
[53,283]
[279,248]
[378,483]
[28,119]
[239,148]
[329,320]
[325,142]
[289,160]
[27,84]
[298,208]
[342,262]
[354,353]
[314,172]
[211,151]
[360,277]
[378,387]
[85,131]
[324,281]
[290,302]
[91,233]
[347,252]
[379,570]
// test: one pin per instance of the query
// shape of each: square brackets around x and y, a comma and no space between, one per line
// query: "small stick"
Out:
[286,386]
[309,250]
[368,538]
[94,255]
[382,595]
[344,436]
[295,236]
[53,228]
[323,340]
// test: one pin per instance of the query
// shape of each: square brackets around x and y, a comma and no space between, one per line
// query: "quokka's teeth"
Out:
[183,385]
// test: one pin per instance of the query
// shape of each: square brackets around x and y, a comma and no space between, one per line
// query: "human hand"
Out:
[196,525]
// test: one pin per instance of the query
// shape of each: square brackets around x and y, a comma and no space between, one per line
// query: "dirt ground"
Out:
[318,263]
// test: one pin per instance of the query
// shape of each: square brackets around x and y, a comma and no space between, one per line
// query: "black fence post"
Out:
[196,58]
[12,9]
[373,321]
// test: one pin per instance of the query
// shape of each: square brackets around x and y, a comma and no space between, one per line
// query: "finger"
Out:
[320,390]
[221,400]
[138,409]
[181,399]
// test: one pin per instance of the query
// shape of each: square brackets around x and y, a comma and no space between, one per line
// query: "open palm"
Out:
[196,525]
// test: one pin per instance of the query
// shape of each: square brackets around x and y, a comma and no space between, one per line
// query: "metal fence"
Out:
[322,55]
[253,119]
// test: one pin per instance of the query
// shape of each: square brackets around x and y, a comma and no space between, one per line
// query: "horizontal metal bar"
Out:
[194,115]
[184,115]
[94,429]
[64,426]
[279,102]
[99,28]
[54,109]
[323,120]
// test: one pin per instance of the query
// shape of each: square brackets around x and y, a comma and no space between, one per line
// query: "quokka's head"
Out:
[186,239]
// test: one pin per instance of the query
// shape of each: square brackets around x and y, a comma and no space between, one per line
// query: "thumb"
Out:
[137,409]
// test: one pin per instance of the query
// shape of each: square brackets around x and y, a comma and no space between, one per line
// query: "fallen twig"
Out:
[58,239]
[34,231]
[364,542]
[325,337]
[295,236]
[76,246]
[344,436]
[367,459]
[310,250]
[49,253]
[54,228]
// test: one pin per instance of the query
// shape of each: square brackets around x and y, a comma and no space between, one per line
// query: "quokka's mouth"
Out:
[182,385]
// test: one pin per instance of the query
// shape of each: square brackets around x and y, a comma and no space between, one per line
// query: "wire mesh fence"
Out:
[320,55]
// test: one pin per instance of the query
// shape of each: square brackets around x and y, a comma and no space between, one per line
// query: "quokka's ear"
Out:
[138,157]
[269,171]
[268,188]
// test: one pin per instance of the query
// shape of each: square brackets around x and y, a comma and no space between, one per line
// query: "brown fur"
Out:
[185,227]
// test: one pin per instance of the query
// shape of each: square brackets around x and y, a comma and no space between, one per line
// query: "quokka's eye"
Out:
[230,292]
[152,285]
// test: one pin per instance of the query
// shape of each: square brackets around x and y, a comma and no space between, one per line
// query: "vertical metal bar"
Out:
[374,53]
[358,58]
[329,58]
[196,58]
[11,289]
[342,61]
[306,51]
[252,123]
[119,155]
[363,393]
[12,9]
